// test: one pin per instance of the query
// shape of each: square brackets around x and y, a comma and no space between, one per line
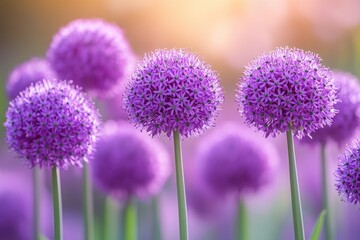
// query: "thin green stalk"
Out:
[242,222]
[183,225]
[294,186]
[156,230]
[111,219]
[36,202]
[88,204]
[130,220]
[325,197]
[356,50]
[57,203]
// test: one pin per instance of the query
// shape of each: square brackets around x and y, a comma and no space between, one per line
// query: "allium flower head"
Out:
[347,120]
[233,161]
[52,124]
[111,107]
[173,90]
[128,163]
[204,202]
[34,70]
[287,87]
[93,53]
[348,174]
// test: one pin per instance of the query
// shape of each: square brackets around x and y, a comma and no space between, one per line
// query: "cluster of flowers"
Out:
[51,122]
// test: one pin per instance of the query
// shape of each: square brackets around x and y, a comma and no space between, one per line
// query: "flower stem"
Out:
[356,50]
[183,225]
[111,219]
[294,186]
[88,204]
[130,220]
[36,202]
[328,234]
[57,204]
[242,223]
[156,231]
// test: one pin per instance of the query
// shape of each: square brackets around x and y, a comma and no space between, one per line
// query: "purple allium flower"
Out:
[201,199]
[347,120]
[16,208]
[347,174]
[52,124]
[93,53]
[111,107]
[287,87]
[128,163]
[173,90]
[234,161]
[34,70]
[309,169]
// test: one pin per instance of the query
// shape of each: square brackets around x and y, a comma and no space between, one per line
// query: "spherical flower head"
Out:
[173,90]
[111,107]
[347,120]
[201,199]
[21,77]
[287,87]
[234,161]
[128,163]
[347,174]
[52,124]
[93,53]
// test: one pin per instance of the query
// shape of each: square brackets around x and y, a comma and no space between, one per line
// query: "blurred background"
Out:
[227,34]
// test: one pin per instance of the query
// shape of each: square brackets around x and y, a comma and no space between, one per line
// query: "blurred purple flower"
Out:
[309,175]
[287,86]
[16,208]
[173,90]
[127,163]
[112,108]
[347,120]
[348,174]
[93,53]
[232,160]
[52,124]
[201,199]
[34,70]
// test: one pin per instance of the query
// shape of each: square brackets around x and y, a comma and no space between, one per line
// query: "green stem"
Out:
[242,229]
[294,186]
[36,202]
[130,220]
[88,204]
[156,231]
[356,51]
[111,219]
[183,225]
[328,234]
[57,204]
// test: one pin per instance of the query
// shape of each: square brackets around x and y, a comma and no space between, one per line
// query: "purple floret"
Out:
[34,70]
[52,124]
[348,174]
[287,87]
[128,163]
[93,53]
[173,90]
[232,161]
[347,120]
